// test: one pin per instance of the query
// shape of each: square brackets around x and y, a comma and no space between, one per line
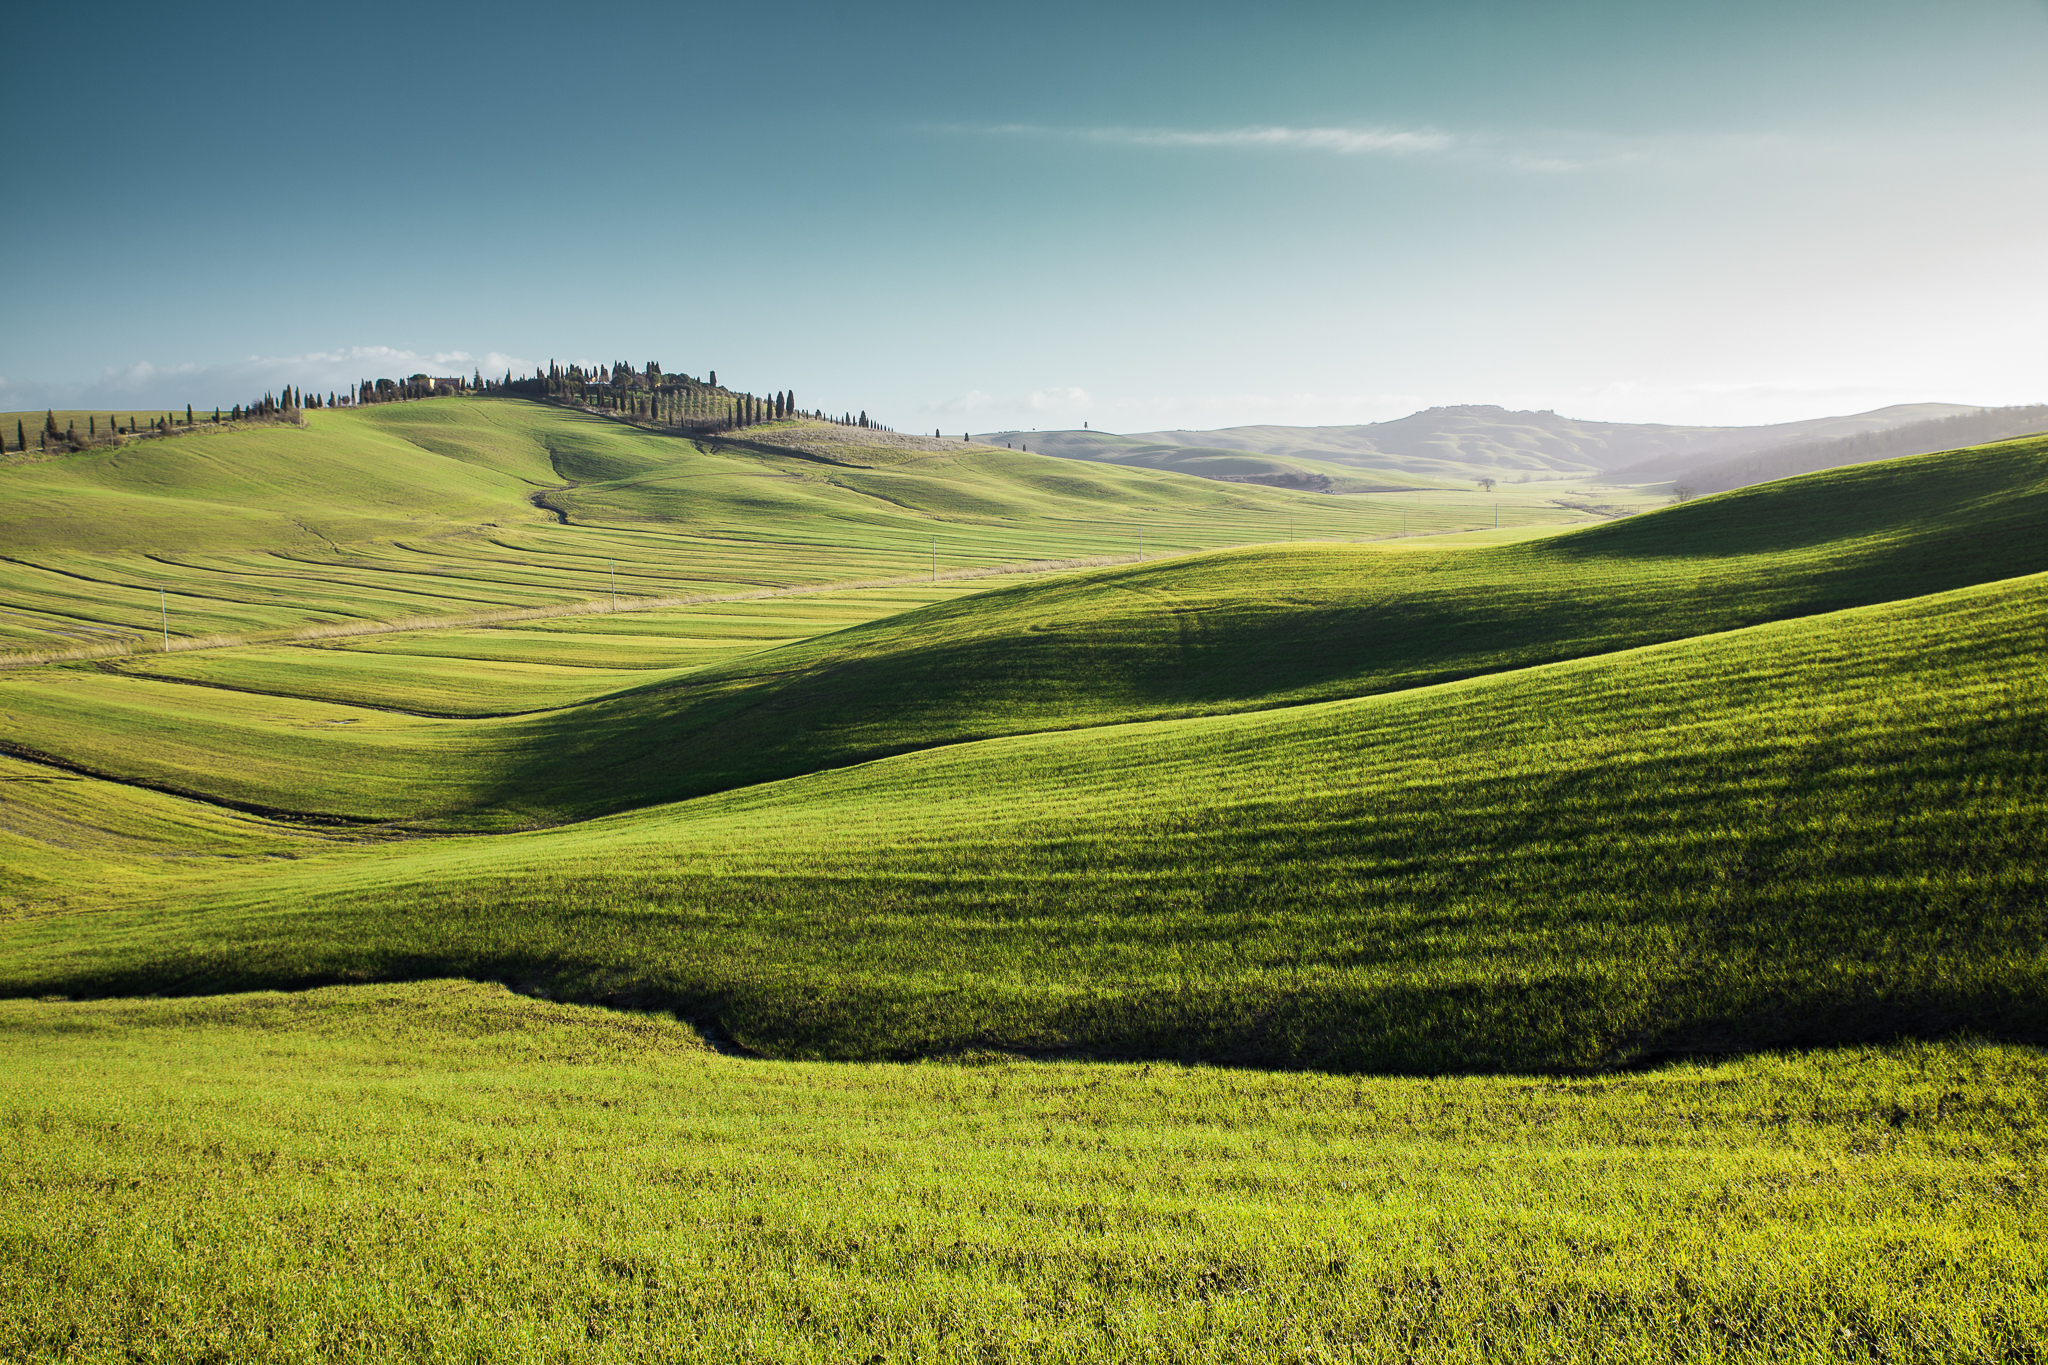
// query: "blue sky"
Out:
[961,216]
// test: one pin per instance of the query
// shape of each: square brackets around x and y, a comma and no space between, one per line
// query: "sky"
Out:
[977,217]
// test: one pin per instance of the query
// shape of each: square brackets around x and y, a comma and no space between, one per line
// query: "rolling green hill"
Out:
[1145,865]
[292,728]
[1821,829]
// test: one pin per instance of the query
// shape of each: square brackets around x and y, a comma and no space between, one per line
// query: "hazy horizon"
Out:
[1152,218]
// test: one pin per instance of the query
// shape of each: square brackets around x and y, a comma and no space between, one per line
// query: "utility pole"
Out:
[164,603]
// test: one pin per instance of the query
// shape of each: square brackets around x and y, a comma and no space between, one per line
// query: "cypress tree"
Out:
[188,414]
[49,422]
[20,437]
[92,425]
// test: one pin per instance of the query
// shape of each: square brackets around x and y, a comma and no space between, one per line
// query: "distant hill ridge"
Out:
[1461,442]
[1915,438]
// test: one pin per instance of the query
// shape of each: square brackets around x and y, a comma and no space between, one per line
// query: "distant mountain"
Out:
[1721,472]
[1455,445]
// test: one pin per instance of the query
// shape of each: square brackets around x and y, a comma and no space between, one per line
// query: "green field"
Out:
[1621,942]
[289,727]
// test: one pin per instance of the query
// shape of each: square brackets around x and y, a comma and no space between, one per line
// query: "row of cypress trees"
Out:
[646,394]
[67,438]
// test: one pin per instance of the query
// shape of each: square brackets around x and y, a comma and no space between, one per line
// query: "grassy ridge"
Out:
[1816,830]
[1232,631]
[445,1171]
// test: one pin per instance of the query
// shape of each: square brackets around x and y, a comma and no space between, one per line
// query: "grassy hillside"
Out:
[1839,836]
[1574,818]
[465,508]
[1229,632]
[446,1171]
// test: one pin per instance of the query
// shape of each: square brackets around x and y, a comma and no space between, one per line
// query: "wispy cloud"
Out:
[150,384]
[972,401]
[1061,400]
[1343,141]
[1533,151]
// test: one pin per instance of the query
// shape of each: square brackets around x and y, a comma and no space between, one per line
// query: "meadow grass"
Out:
[1819,830]
[1225,631]
[446,1171]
